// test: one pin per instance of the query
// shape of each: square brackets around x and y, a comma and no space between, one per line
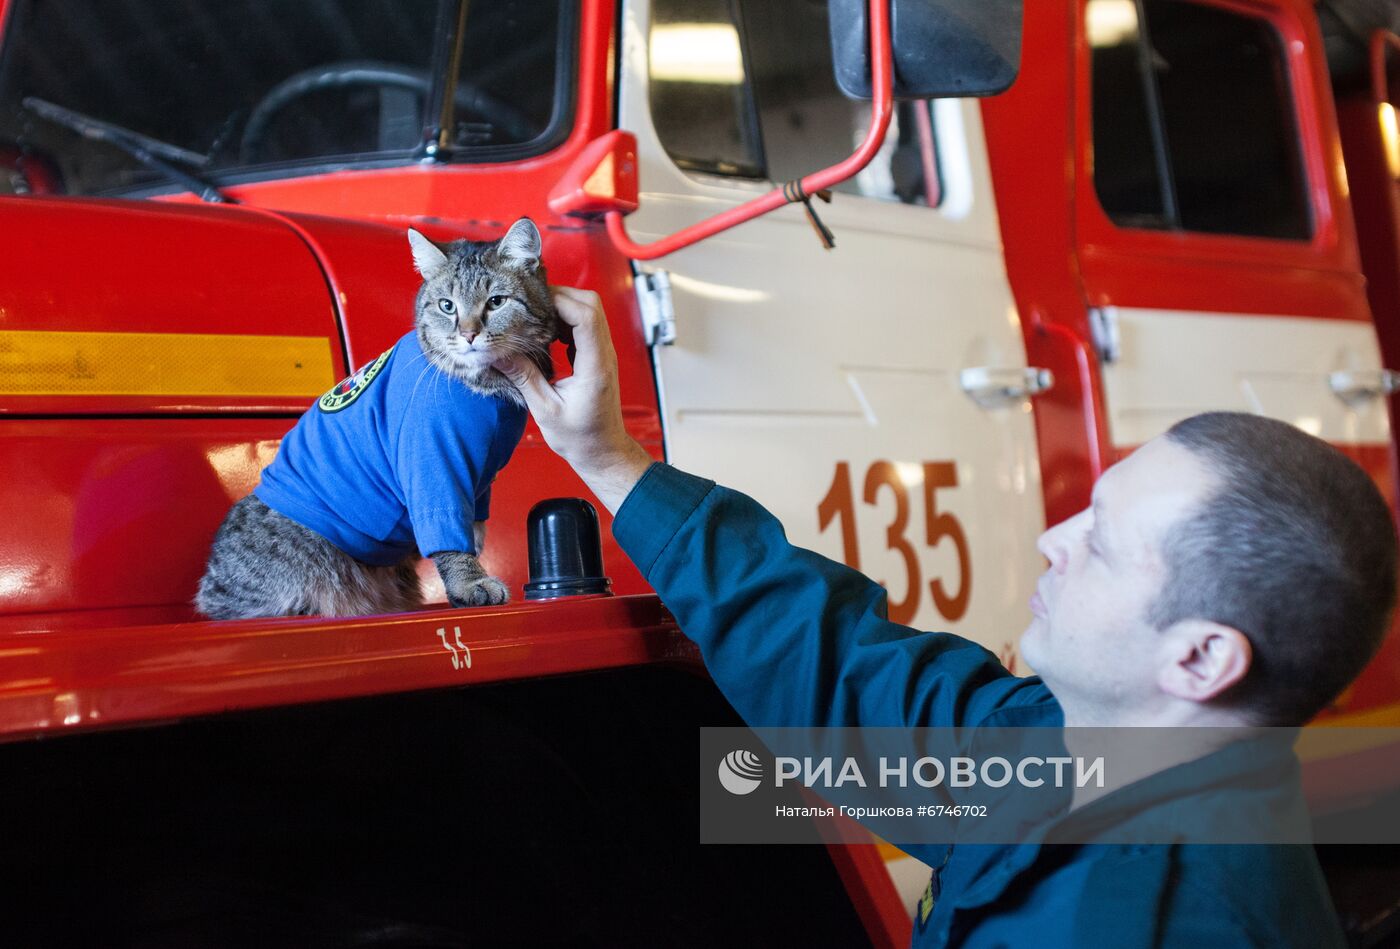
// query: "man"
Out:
[1235,571]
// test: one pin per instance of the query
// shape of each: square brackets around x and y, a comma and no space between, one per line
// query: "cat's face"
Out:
[481,302]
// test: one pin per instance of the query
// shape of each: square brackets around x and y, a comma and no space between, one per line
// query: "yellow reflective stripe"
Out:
[1363,731]
[889,852]
[1384,716]
[34,362]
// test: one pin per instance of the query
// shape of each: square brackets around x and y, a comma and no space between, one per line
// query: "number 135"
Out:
[839,503]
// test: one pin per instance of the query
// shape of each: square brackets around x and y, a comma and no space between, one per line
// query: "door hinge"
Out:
[1103,326]
[658,313]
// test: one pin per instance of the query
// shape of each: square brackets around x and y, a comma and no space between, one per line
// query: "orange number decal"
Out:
[838,503]
[884,474]
[944,474]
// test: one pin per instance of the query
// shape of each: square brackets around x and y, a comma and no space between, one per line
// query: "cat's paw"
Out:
[487,591]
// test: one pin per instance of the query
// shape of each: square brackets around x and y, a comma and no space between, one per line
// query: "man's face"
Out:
[1089,638]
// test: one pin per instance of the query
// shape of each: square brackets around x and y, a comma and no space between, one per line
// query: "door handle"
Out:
[1356,387]
[991,387]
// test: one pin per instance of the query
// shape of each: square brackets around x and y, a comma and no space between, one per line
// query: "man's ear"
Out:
[1202,659]
[428,258]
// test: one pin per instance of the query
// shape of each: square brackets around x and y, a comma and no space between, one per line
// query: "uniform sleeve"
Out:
[790,637]
[483,504]
[440,459]
[1257,895]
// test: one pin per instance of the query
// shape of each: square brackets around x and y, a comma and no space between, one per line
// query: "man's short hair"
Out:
[1296,549]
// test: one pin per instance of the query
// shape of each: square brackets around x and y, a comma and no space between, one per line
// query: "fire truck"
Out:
[913,288]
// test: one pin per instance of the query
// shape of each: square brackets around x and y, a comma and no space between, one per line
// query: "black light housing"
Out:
[566,550]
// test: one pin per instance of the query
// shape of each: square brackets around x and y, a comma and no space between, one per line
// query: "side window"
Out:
[701,102]
[1193,120]
[745,88]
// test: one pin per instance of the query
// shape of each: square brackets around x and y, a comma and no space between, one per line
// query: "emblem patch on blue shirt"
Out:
[926,904]
[348,390]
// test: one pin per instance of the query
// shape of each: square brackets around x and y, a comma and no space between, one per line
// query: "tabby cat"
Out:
[399,458]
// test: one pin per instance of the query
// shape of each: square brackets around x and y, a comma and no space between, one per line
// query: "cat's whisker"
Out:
[419,380]
[427,368]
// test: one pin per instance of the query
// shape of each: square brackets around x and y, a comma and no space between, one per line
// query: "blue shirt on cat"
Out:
[400,455]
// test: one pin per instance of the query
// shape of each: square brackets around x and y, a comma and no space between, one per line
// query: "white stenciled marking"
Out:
[461,653]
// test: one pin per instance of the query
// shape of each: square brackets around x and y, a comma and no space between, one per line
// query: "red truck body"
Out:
[115,483]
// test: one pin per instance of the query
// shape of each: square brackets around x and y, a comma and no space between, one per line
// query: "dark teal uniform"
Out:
[794,639]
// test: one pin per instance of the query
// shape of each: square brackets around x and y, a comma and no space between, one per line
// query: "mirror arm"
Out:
[882,79]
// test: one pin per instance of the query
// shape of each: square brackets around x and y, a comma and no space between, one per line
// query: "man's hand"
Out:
[581,416]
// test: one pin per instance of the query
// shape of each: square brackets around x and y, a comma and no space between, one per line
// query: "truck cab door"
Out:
[875,396]
[1215,239]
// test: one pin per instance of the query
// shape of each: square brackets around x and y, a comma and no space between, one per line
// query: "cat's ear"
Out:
[522,245]
[428,257]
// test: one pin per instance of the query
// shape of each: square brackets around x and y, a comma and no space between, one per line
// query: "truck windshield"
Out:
[234,90]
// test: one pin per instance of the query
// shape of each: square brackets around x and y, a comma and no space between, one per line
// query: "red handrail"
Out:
[1379,40]
[882,80]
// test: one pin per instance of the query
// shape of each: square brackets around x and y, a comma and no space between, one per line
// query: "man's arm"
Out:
[790,637]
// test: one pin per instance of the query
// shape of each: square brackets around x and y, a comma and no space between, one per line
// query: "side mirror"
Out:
[942,48]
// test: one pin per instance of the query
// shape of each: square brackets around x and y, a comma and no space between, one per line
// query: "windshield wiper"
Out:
[151,152]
